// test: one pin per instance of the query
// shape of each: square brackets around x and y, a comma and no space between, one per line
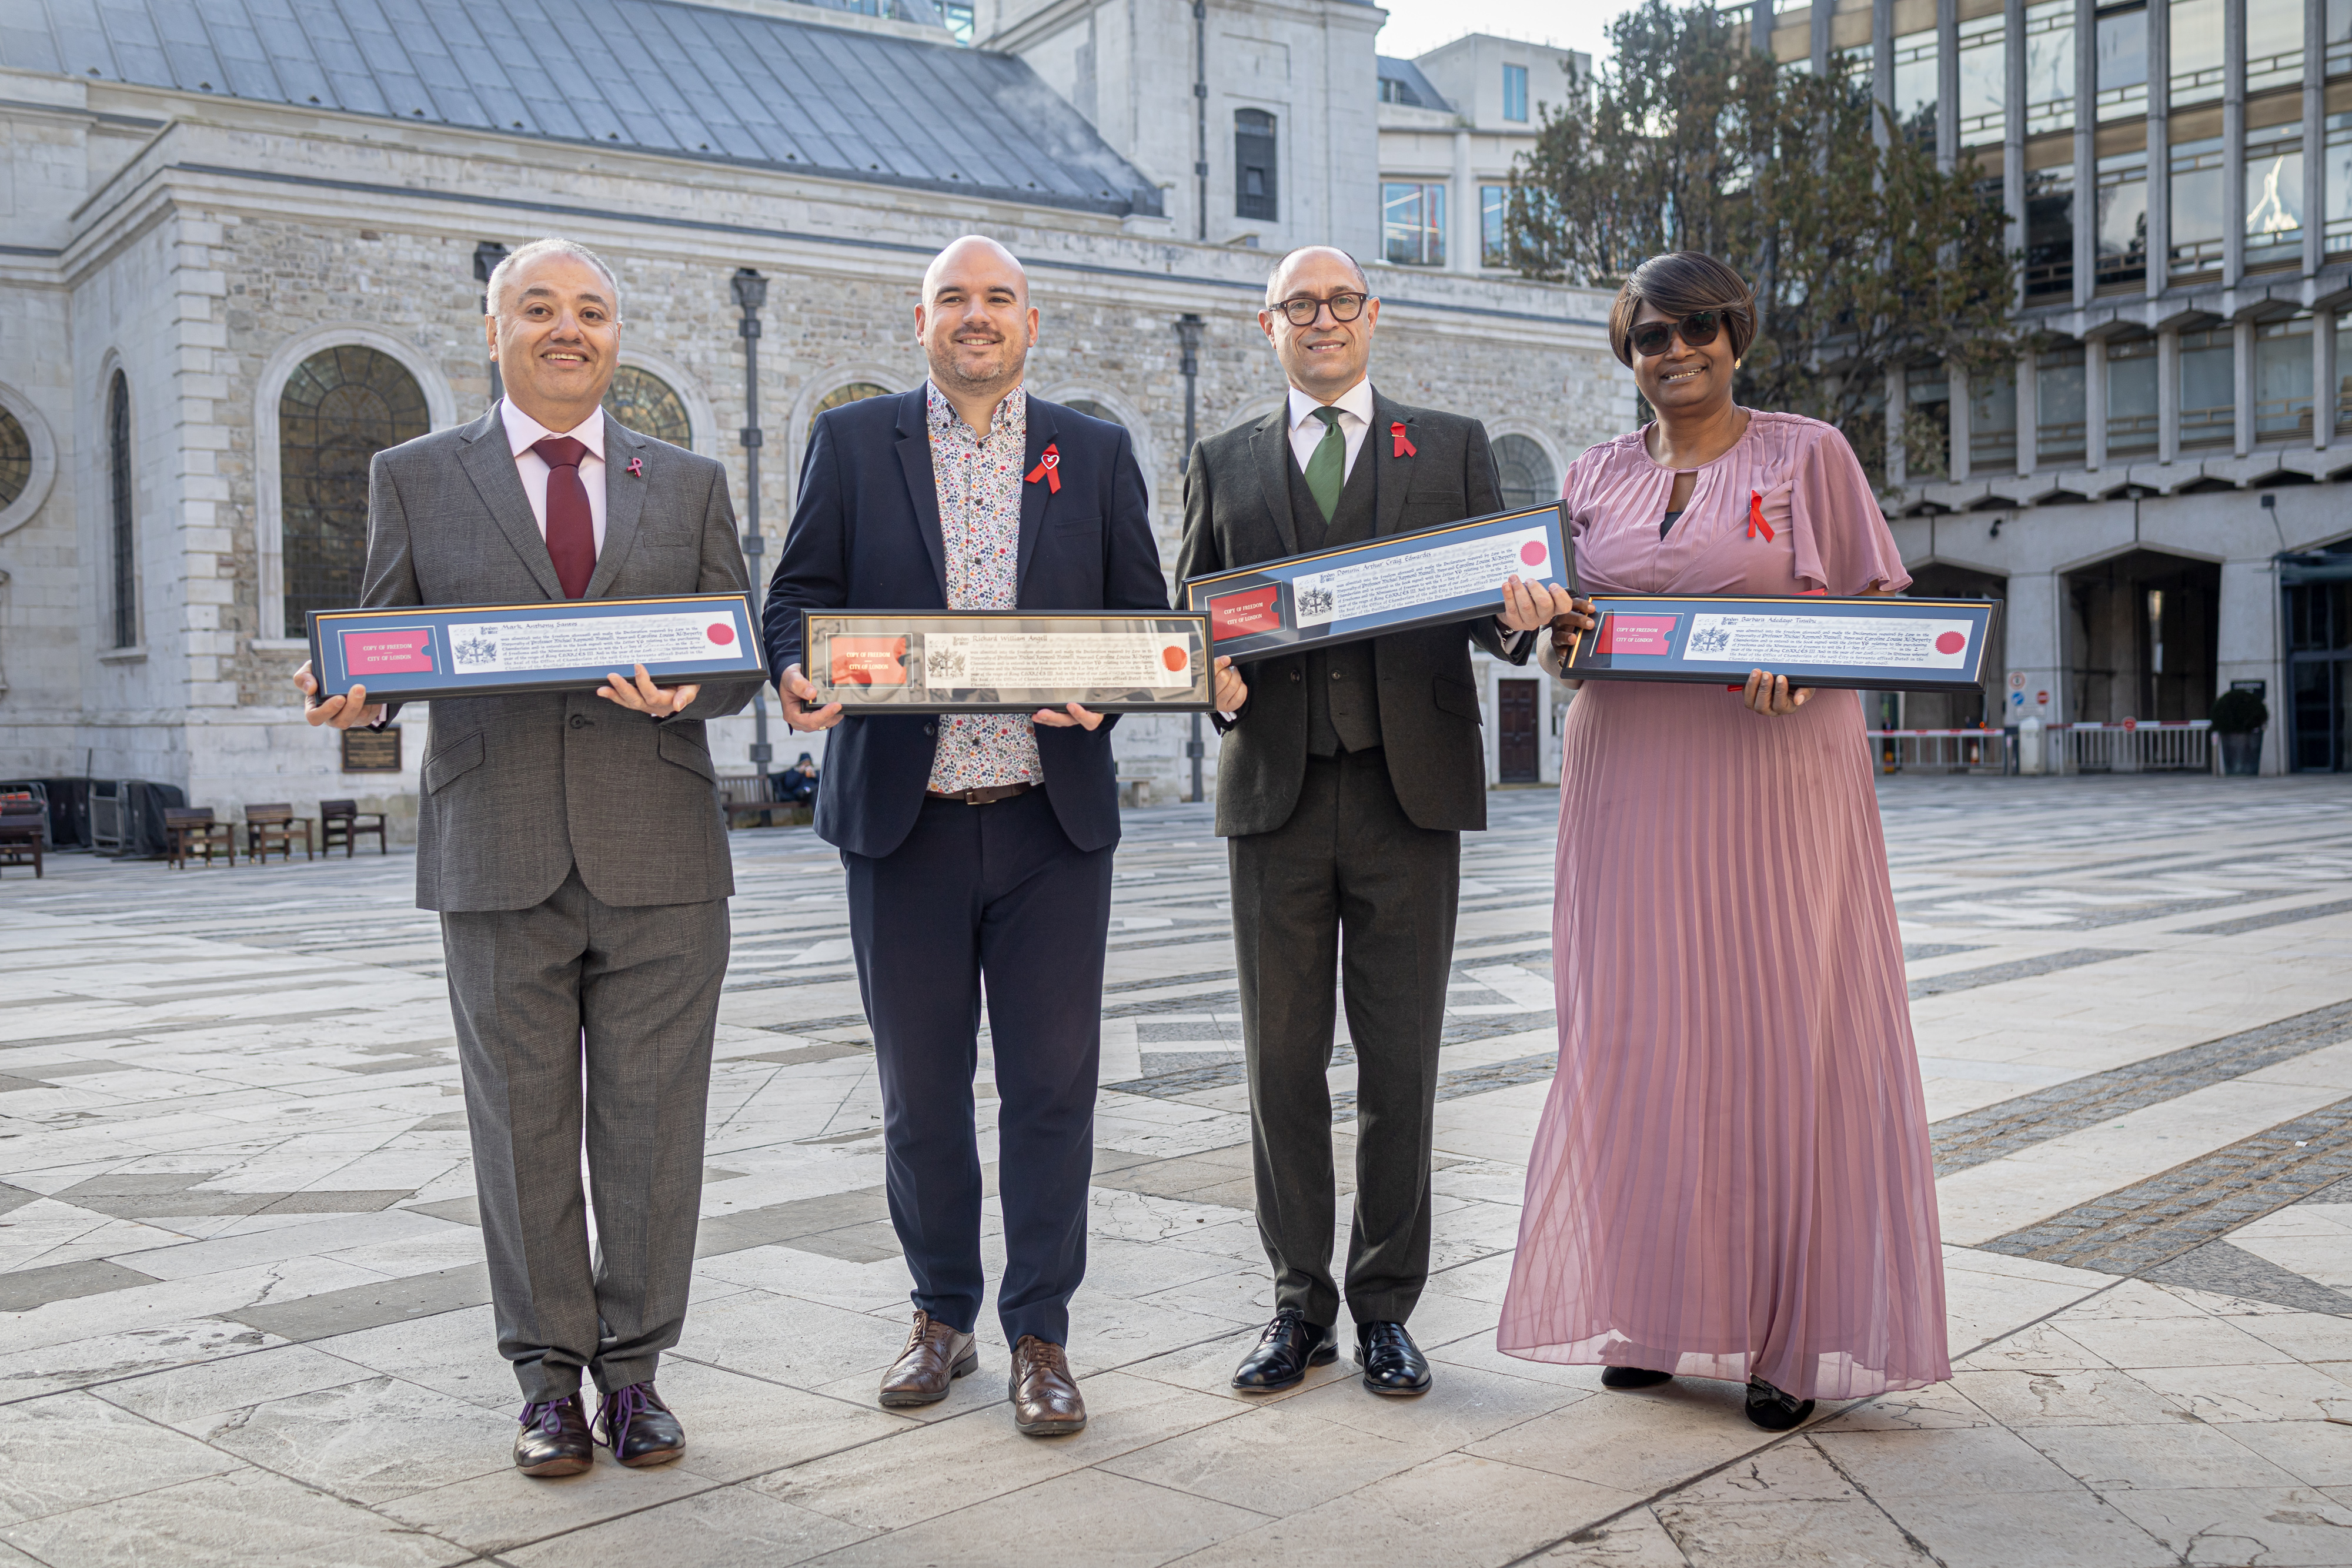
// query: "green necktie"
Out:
[1327,467]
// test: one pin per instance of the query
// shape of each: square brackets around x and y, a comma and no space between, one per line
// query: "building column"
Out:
[1898,455]
[2029,634]
[1947,85]
[2324,370]
[2167,395]
[2087,157]
[2029,415]
[1956,460]
[2012,135]
[1882,64]
[2233,142]
[1466,238]
[2246,643]
[2095,403]
[2159,146]
[2315,134]
[2242,386]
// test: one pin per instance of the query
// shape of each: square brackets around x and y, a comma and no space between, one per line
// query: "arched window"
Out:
[853,393]
[1094,410]
[1253,181]
[648,405]
[339,408]
[16,459]
[1527,479]
[118,465]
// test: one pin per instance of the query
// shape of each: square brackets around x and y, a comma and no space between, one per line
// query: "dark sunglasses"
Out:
[1696,330]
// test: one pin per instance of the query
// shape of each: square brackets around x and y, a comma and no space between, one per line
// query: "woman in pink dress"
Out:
[1732,1177]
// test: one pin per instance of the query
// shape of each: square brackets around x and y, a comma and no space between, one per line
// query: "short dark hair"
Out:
[1678,283]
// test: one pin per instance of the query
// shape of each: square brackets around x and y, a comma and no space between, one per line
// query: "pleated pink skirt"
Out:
[1732,1176]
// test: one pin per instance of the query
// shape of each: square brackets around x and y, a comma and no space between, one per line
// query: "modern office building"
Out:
[2156,487]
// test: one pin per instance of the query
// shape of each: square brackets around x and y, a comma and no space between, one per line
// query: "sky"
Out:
[1416,26]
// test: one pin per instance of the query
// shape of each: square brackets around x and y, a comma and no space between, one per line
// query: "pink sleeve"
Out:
[1843,545]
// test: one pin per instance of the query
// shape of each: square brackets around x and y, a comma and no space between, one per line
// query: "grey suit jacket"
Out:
[518,789]
[1237,513]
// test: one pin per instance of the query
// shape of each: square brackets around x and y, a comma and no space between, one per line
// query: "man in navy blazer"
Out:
[976,846]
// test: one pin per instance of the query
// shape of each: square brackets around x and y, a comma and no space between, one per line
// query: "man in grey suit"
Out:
[574,845]
[1345,782]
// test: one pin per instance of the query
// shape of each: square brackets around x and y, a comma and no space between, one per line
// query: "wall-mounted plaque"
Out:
[369,750]
[562,645]
[1390,584]
[1870,643]
[1008,660]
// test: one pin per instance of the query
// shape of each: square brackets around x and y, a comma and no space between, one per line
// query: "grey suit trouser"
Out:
[1348,861]
[573,1017]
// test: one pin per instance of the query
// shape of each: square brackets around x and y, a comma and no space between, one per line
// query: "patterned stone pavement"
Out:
[241,1295]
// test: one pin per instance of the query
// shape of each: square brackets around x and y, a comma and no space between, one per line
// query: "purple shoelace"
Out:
[619,1409]
[547,1416]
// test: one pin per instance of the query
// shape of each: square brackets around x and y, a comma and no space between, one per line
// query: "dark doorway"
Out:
[2141,636]
[1515,705]
[2318,589]
[1959,710]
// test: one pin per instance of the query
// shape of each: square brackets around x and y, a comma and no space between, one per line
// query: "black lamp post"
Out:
[1188,337]
[487,256]
[751,293]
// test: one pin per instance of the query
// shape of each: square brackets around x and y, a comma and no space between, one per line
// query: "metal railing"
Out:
[1940,750]
[2133,745]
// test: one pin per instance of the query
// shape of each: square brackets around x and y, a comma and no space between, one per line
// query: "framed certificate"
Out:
[1869,644]
[1390,584]
[1008,660]
[414,655]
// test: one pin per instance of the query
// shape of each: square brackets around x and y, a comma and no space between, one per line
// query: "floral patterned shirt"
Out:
[979,483]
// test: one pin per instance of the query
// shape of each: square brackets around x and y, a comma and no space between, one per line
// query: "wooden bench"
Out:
[343,822]
[190,830]
[22,828]
[275,825]
[743,800]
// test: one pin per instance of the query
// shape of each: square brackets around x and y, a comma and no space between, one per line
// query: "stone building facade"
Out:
[177,258]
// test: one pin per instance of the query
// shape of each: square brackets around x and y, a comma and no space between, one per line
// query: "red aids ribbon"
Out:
[1403,448]
[1049,469]
[1756,523]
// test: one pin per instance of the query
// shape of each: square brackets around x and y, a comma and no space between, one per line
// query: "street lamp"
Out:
[751,293]
[1188,337]
[487,256]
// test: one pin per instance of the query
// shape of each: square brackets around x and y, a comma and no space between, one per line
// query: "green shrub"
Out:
[2238,713]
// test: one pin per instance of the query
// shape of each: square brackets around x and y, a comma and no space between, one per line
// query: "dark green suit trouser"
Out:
[1348,861]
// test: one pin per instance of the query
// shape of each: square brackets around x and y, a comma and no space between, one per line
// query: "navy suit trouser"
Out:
[995,893]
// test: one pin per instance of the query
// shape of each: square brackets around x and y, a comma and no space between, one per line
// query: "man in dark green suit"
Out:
[1346,779]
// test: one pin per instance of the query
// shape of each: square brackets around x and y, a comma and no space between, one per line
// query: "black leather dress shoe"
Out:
[554,1439]
[638,1427]
[1392,1363]
[1773,1410]
[1632,1378]
[1289,1347]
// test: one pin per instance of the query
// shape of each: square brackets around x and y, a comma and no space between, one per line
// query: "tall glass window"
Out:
[1928,425]
[2122,63]
[339,409]
[2274,194]
[1514,92]
[119,498]
[2340,36]
[2058,418]
[1992,419]
[2122,219]
[2344,369]
[1915,85]
[2274,44]
[2282,380]
[2209,389]
[1412,225]
[2131,397]
[2050,232]
[2049,67]
[1984,80]
[2196,48]
[2197,205]
[1494,216]
[2338,182]
[1255,192]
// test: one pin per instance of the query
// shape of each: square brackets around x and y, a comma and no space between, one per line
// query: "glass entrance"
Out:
[2318,589]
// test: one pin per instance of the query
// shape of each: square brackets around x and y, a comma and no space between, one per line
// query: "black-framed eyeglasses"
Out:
[1344,307]
[1696,331]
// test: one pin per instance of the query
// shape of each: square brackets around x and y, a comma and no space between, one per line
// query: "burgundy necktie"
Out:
[571,528]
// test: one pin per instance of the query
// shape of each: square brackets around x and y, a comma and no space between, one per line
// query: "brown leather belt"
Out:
[985,797]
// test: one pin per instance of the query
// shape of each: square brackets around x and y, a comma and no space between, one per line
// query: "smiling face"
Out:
[556,338]
[975,321]
[1683,382]
[1324,358]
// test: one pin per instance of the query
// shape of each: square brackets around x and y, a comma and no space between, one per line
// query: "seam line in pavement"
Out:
[2022,969]
[2262,922]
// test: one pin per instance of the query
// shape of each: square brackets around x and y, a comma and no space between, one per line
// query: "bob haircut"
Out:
[1679,283]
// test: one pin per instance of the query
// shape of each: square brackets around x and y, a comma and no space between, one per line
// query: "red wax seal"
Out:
[1950,643]
[720,634]
[1533,552]
[1174,658]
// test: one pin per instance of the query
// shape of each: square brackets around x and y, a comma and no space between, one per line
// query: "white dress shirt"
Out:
[522,432]
[1355,406]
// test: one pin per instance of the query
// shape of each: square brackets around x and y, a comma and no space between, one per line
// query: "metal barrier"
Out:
[1940,750]
[2133,745]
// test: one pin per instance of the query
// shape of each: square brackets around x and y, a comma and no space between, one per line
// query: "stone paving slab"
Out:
[241,1295]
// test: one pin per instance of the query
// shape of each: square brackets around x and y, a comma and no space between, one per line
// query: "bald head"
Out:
[1313,259]
[979,262]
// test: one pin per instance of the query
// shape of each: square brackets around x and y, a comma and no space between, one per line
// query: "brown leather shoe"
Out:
[935,1356]
[1045,1399]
